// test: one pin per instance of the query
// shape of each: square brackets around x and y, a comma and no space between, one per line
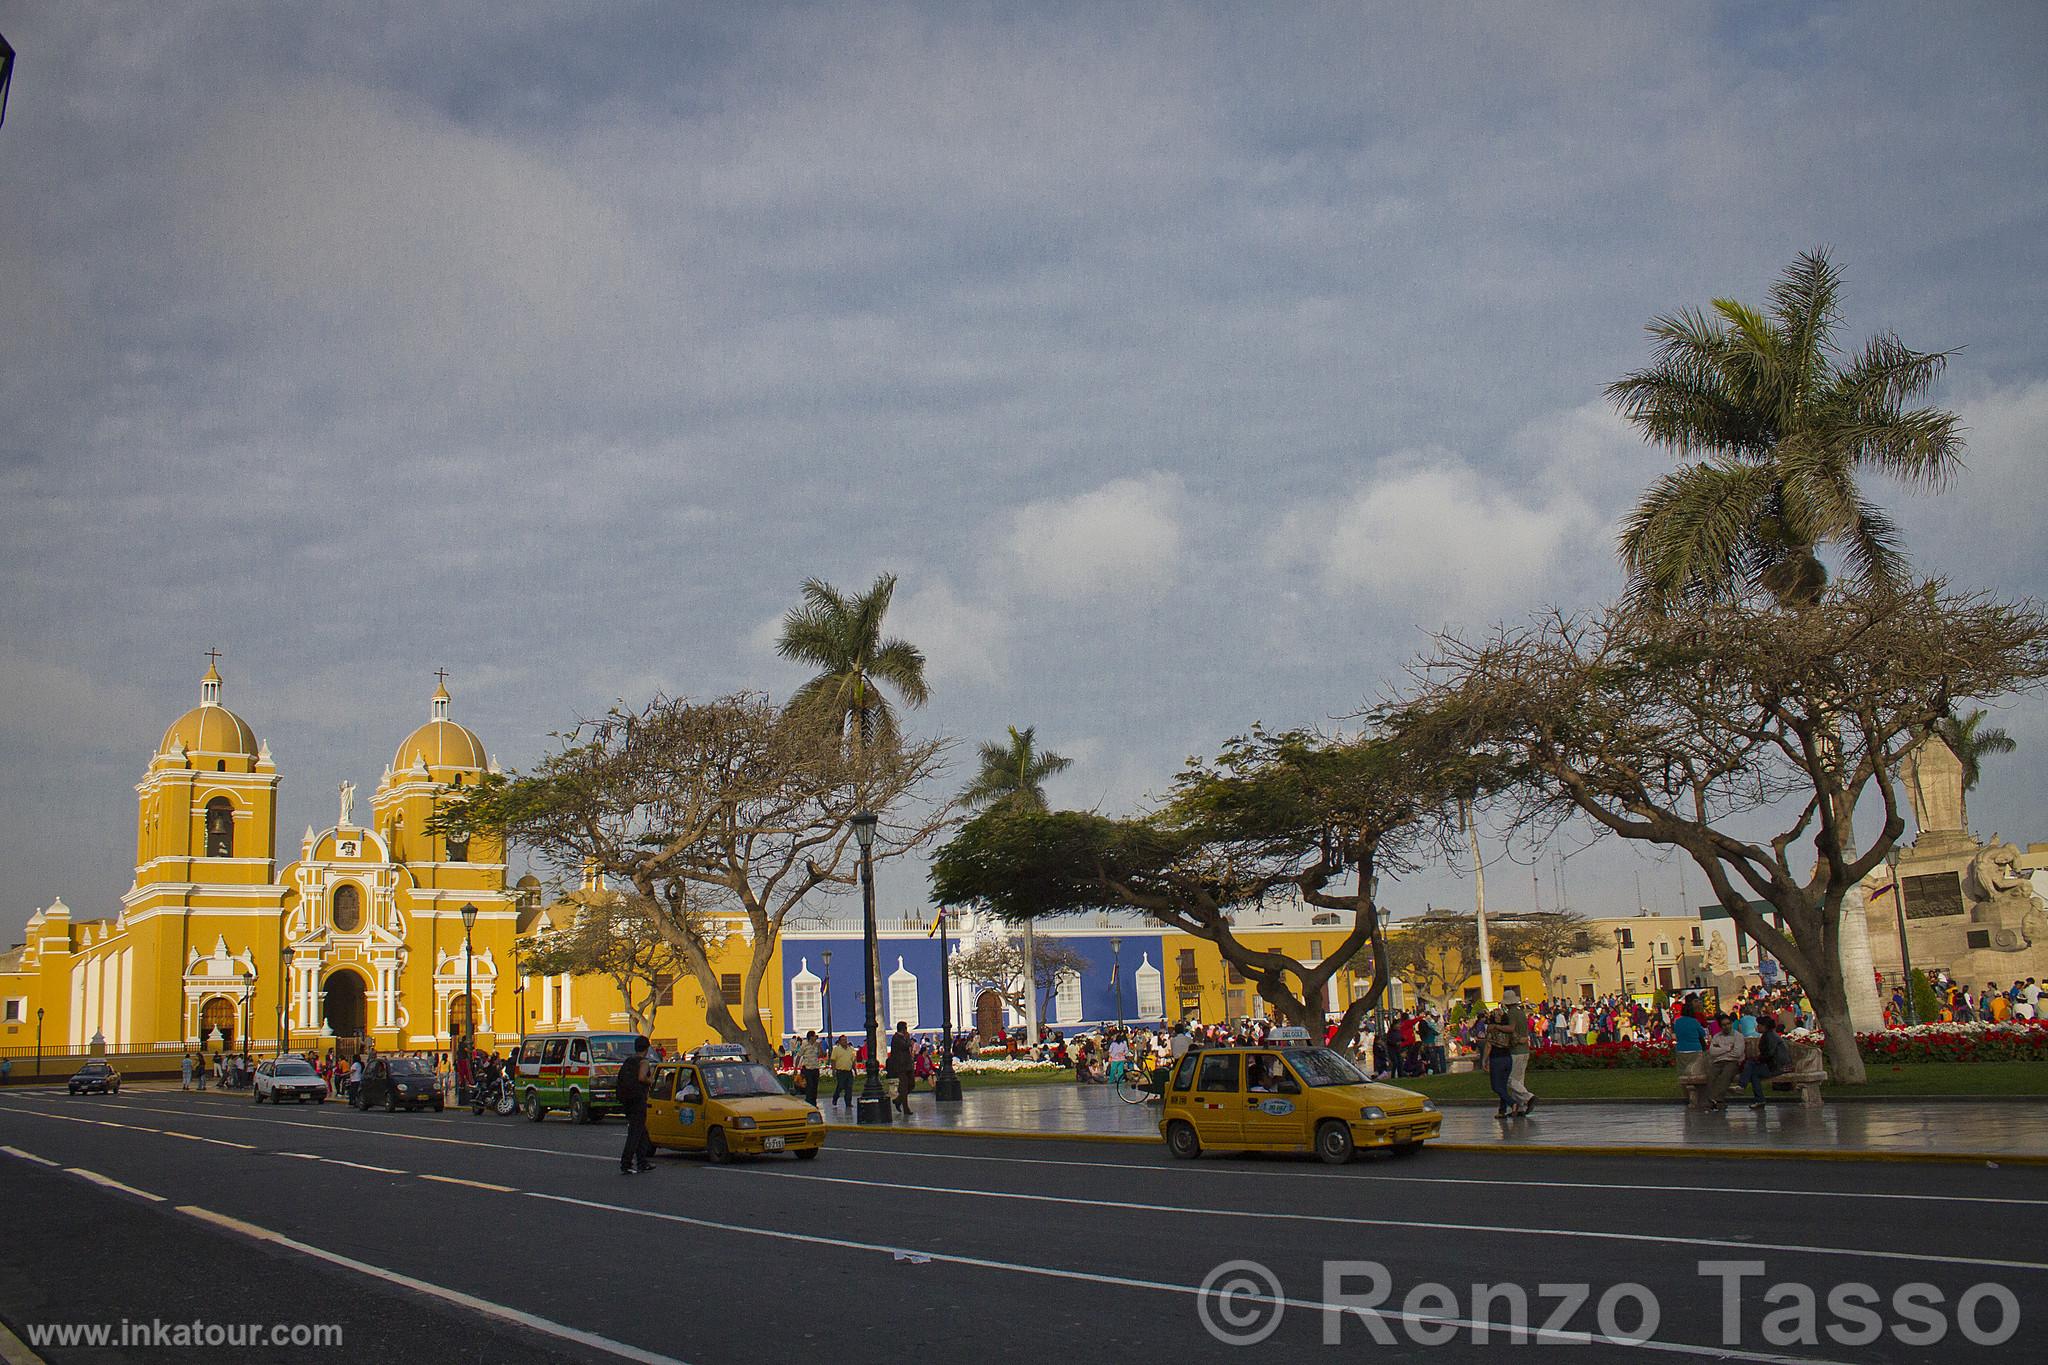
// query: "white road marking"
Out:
[337,1161]
[473,1184]
[1409,1224]
[29,1156]
[1294,1173]
[502,1312]
[96,1178]
[1170,1287]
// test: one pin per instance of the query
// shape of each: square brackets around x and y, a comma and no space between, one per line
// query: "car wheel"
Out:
[1333,1142]
[808,1153]
[391,1104]
[439,1105]
[534,1109]
[579,1111]
[1182,1141]
[715,1148]
[319,1099]
[255,1099]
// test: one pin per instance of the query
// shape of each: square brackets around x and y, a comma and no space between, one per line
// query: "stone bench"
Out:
[1808,1074]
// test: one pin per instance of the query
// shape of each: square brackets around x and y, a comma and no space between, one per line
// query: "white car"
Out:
[289,1078]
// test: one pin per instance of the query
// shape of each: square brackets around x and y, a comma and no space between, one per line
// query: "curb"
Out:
[1518,1148]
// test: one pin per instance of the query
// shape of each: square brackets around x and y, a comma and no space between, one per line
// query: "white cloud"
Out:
[1428,530]
[1124,536]
[962,641]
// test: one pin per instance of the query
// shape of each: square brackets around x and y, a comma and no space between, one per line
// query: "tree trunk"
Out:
[1840,1049]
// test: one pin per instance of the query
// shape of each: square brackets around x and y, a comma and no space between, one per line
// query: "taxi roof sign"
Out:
[1291,1034]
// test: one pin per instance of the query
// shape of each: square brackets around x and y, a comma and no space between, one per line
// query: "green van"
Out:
[575,1071]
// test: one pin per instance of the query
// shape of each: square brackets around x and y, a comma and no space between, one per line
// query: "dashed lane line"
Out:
[1408,1224]
[1293,1173]
[473,1184]
[109,1182]
[30,1156]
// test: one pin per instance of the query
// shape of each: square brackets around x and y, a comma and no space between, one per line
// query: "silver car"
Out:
[289,1078]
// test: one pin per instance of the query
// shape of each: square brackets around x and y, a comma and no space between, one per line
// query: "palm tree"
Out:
[1970,740]
[1012,775]
[842,637]
[1782,428]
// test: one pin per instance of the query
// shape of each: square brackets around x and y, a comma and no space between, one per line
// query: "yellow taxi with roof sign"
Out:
[727,1107]
[1288,1095]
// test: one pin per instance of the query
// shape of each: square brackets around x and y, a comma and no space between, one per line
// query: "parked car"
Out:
[401,1081]
[288,1078]
[96,1078]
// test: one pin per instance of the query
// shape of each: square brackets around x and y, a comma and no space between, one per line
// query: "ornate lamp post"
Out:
[947,1088]
[827,956]
[1116,974]
[39,1042]
[468,994]
[284,991]
[248,1020]
[873,1106]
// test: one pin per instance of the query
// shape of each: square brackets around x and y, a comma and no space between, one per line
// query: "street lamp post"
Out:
[39,1042]
[284,991]
[1116,974]
[873,1106]
[248,1018]
[468,997]
[947,1088]
[1905,950]
[827,956]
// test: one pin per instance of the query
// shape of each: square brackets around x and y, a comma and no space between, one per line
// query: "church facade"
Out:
[376,930]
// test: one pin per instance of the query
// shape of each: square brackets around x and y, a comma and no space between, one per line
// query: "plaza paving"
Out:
[1906,1129]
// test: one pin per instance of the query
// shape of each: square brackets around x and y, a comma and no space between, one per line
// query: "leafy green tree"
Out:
[1274,816]
[1970,740]
[1012,775]
[617,936]
[842,637]
[1781,426]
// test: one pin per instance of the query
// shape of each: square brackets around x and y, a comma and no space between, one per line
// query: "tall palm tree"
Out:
[1780,426]
[1970,740]
[1012,775]
[842,637]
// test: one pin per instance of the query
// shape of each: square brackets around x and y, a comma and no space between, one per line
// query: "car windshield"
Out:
[615,1047]
[1320,1066]
[294,1069]
[95,1069]
[731,1080]
[408,1066]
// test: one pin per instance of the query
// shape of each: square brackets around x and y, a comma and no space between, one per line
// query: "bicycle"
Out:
[1139,1083]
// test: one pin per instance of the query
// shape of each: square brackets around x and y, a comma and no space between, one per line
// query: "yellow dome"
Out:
[443,744]
[211,730]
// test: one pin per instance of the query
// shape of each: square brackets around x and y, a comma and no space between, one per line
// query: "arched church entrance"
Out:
[217,1022]
[344,1008]
[988,1015]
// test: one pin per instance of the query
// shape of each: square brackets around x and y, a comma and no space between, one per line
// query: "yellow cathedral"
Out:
[377,932]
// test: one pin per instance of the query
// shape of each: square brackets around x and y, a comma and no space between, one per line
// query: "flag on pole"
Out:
[933,931]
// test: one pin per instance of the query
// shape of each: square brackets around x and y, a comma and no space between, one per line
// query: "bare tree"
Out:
[997,964]
[618,936]
[1694,727]
[722,816]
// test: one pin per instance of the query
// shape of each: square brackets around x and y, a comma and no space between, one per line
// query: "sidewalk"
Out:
[1892,1130]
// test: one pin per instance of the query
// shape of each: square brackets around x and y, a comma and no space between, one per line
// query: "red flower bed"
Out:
[1598,1056]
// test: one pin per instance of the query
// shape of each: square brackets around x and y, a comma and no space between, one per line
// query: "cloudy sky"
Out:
[1186,363]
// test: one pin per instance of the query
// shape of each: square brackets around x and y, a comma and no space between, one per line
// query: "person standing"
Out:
[185,1071]
[842,1072]
[1518,1065]
[1496,1055]
[634,1078]
[901,1066]
[807,1065]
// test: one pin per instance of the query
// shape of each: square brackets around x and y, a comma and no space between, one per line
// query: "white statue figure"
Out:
[2001,895]
[348,804]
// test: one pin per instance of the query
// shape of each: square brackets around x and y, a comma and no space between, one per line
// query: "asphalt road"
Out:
[453,1237]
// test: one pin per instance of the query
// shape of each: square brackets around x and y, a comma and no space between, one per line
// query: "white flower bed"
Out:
[2011,1028]
[994,1064]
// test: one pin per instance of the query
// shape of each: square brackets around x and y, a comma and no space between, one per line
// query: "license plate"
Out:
[771,1144]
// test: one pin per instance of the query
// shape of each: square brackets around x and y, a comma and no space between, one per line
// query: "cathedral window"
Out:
[347,909]
[220,828]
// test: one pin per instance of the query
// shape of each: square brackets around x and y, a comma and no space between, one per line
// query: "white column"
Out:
[127,996]
[92,1001]
[77,1028]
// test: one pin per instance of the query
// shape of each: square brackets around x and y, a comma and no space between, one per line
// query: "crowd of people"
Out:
[1958,1004]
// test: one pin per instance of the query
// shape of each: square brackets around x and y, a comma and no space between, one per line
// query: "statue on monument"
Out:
[348,805]
[1934,787]
[2001,895]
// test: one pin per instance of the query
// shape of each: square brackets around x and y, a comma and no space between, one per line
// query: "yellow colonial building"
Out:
[359,938]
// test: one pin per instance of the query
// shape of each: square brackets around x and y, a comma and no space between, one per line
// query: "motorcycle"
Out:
[496,1094]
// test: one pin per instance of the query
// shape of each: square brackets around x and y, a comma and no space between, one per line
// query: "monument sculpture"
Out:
[2001,898]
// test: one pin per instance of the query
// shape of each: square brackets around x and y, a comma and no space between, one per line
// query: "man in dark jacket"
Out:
[635,1075]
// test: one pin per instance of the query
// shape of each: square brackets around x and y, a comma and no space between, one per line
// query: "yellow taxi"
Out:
[1288,1096]
[727,1107]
